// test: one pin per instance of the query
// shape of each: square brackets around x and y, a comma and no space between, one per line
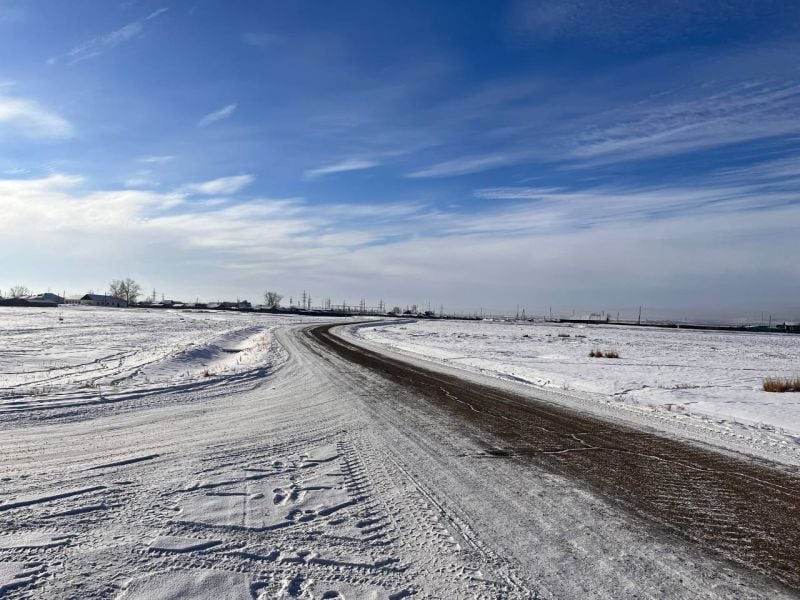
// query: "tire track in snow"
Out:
[745,511]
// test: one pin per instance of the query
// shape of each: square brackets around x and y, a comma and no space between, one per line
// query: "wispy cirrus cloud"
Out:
[223,186]
[156,13]
[157,158]
[218,115]
[766,186]
[142,181]
[465,166]
[623,115]
[30,119]
[353,164]
[107,41]
[668,125]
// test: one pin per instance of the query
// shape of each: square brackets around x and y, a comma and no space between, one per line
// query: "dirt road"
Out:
[747,512]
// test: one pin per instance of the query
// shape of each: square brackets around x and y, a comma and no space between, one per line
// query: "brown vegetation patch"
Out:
[607,354]
[781,384]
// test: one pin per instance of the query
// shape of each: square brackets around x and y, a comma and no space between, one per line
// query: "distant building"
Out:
[97,300]
[238,305]
[165,303]
[196,305]
[790,327]
[46,297]
[27,302]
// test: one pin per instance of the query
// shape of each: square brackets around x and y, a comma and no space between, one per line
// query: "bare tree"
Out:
[272,299]
[115,288]
[127,289]
[132,291]
[18,291]
[396,310]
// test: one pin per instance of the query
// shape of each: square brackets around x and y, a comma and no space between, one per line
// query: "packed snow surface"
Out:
[700,374]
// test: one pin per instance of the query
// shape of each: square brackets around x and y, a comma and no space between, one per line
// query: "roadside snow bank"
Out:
[76,355]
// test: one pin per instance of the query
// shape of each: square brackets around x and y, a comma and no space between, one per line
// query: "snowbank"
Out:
[75,355]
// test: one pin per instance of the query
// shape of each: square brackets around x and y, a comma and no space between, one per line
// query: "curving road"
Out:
[348,473]
[747,512]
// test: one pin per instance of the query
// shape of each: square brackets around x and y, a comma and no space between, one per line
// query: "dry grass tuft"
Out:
[607,354]
[781,384]
[612,354]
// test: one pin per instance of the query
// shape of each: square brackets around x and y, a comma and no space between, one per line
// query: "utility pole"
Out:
[639,320]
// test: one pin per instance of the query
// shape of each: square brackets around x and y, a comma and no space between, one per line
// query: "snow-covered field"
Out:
[686,374]
[75,355]
[290,474]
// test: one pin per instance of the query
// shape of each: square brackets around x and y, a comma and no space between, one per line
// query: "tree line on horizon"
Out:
[130,291]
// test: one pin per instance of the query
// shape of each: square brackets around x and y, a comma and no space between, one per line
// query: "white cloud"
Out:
[103,43]
[672,125]
[353,164]
[156,13]
[139,182]
[223,186]
[703,244]
[517,193]
[464,166]
[107,41]
[157,158]
[218,115]
[31,119]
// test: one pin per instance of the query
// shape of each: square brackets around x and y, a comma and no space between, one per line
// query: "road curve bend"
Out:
[745,511]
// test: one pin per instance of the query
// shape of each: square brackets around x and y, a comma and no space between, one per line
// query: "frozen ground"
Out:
[314,478]
[681,375]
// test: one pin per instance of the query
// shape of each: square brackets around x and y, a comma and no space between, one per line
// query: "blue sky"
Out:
[587,155]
